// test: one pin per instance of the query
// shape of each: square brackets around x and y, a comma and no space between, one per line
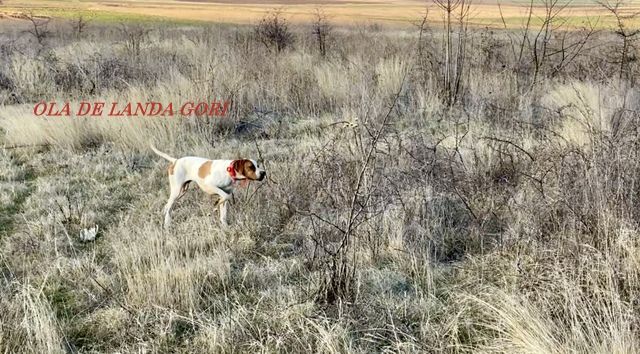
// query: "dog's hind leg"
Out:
[183,189]
[167,208]
[177,190]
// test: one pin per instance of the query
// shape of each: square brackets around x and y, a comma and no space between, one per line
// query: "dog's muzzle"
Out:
[262,176]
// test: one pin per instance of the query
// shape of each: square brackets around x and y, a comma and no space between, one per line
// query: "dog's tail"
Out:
[162,154]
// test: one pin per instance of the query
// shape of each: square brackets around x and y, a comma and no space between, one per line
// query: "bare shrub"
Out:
[549,49]
[273,32]
[350,208]
[456,23]
[321,31]
[39,28]
[135,37]
[80,26]
[627,35]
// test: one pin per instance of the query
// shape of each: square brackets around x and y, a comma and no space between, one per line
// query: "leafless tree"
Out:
[321,30]
[628,35]
[135,36]
[80,25]
[273,31]
[426,48]
[39,28]
[540,43]
[456,19]
[550,48]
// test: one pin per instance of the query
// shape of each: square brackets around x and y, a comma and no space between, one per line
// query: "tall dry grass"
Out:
[504,223]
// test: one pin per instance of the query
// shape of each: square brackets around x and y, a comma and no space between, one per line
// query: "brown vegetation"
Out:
[440,190]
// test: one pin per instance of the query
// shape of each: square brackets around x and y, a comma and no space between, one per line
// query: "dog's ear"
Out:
[250,170]
[238,166]
[245,168]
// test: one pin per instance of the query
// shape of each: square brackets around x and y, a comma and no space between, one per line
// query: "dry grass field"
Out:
[432,191]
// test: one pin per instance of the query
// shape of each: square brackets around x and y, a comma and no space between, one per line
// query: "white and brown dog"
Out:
[219,177]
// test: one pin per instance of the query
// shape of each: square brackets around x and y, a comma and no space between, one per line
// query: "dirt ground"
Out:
[401,13]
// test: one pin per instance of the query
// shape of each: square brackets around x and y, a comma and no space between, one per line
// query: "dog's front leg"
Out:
[223,212]
[222,205]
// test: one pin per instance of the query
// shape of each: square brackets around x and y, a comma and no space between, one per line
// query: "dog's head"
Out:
[249,169]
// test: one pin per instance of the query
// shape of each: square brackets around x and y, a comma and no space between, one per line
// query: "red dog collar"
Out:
[232,171]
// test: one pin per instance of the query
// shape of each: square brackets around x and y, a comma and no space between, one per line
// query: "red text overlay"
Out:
[132,109]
